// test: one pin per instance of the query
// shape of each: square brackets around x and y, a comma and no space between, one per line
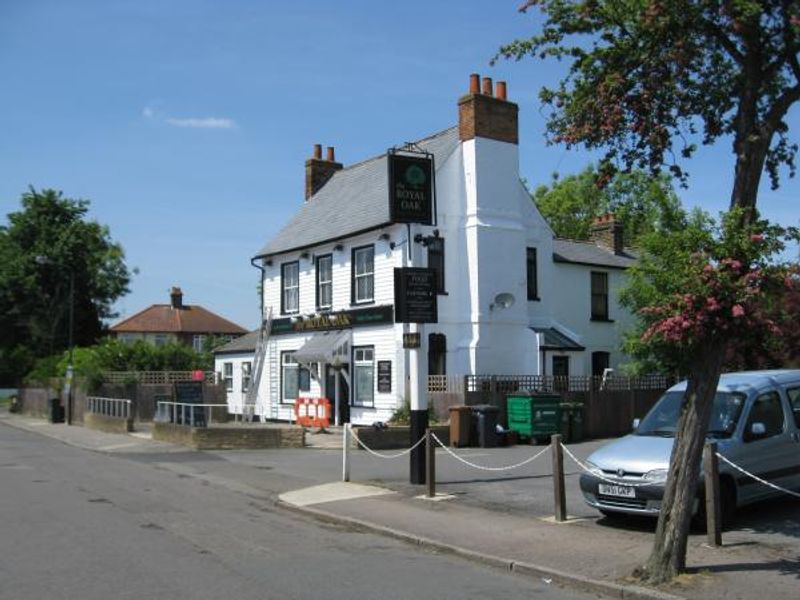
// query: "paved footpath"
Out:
[473,521]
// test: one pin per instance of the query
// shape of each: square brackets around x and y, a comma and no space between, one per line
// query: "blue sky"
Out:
[187,123]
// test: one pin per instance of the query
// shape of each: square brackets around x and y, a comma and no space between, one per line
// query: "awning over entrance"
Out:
[332,347]
[555,340]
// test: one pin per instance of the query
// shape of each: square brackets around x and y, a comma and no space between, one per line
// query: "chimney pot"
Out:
[487,86]
[318,151]
[500,90]
[331,154]
[475,83]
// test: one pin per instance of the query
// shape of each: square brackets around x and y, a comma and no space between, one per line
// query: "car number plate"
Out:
[622,491]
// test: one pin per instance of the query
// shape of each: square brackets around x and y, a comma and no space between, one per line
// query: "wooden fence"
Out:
[154,377]
[610,404]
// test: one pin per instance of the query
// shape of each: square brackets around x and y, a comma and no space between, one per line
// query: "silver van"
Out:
[755,421]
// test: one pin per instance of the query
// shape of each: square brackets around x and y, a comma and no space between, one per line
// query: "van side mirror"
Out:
[757,430]
[636,424]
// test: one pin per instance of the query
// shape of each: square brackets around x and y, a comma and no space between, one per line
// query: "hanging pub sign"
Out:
[415,295]
[411,188]
[411,341]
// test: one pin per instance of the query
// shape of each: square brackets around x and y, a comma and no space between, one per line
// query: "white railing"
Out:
[186,413]
[119,408]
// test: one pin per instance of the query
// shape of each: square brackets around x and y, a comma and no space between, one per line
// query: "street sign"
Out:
[411,188]
[415,295]
[411,341]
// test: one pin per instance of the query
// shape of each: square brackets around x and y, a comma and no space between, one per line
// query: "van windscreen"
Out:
[662,420]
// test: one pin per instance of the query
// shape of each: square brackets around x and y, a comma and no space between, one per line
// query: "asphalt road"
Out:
[81,524]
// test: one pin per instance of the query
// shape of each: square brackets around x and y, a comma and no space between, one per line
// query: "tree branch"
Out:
[780,107]
[790,42]
[726,42]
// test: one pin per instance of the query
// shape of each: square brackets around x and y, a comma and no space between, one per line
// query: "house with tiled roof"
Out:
[189,324]
[512,298]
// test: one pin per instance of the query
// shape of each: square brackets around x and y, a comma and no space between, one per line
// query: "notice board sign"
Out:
[415,295]
[411,188]
[384,376]
[188,392]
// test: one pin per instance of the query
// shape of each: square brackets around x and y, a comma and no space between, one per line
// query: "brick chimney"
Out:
[606,232]
[176,297]
[484,114]
[319,171]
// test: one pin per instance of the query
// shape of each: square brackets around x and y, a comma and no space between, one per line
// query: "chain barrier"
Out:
[758,479]
[379,455]
[593,472]
[484,468]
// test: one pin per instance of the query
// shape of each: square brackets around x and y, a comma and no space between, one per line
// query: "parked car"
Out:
[755,421]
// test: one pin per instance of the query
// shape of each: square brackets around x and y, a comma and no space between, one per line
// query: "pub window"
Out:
[363,376]
[532,274]
[363,274]
[324,281]
[294,378]
[247,369]
[436,261]
[227,376]
[599,296]
[290,287]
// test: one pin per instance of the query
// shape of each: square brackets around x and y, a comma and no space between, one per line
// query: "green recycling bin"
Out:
[534,416]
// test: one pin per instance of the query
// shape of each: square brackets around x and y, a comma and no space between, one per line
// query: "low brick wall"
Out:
[230,437]
[395,437]
[107,424]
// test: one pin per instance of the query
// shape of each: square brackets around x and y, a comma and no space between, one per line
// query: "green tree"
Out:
[46,246]
[641,202]
[647,81]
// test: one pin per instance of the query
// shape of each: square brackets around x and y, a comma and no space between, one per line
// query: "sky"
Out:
[186,123]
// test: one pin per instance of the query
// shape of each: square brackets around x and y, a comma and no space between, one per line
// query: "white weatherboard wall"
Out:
[235,396]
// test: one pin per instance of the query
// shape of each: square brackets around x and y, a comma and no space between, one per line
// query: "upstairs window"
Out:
[363,274]
[290,287]
[532,274]
[436,261]
[324,281]
[599,296]
[198,343]
[227,376]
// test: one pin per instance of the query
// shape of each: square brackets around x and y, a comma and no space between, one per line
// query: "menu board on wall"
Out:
[384,376]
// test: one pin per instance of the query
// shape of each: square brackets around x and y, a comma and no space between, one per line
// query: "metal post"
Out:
[713,511]
[559,494]
[430,463]
[71,345]
[346,452]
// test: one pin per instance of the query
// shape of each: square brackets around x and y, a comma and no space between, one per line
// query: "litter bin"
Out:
[486,424]
[460,426]
[56,411]
[534,416]
[572,421]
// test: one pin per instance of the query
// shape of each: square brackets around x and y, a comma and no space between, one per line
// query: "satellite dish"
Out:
[503,300]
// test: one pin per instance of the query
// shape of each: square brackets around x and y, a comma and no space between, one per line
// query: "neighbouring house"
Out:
[512,299]
[188,324]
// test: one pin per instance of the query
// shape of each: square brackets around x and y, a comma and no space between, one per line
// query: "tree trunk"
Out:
[668,557]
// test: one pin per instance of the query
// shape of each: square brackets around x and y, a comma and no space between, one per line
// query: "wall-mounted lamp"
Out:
[338,247]
[502,300]
[268,262]
[384,237]
[304,255]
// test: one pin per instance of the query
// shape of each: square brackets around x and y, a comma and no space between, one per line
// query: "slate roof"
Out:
[589,253]
[245,343]
[355,199]
[190,318]
[555,340]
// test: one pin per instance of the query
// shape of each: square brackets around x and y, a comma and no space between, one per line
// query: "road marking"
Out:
[332,492]
[437,498]
[117,446]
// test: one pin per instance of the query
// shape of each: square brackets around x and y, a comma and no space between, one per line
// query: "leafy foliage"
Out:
[641,202]
[114,355]
[712,281]
[649,80]
[45,245]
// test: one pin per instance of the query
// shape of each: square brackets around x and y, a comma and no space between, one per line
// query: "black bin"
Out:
[56,411]
[485,420]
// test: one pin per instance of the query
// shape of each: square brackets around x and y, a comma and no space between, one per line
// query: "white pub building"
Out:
[512,299]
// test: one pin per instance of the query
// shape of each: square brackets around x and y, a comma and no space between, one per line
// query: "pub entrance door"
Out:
[343,410]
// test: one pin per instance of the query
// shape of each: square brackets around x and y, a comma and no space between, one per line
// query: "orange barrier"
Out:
[313,412]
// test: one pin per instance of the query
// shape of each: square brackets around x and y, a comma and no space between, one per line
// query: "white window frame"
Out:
[363,359]
[247,371]
[227,376]
[368,275]
[290,291]
[325,283]
[289,373]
